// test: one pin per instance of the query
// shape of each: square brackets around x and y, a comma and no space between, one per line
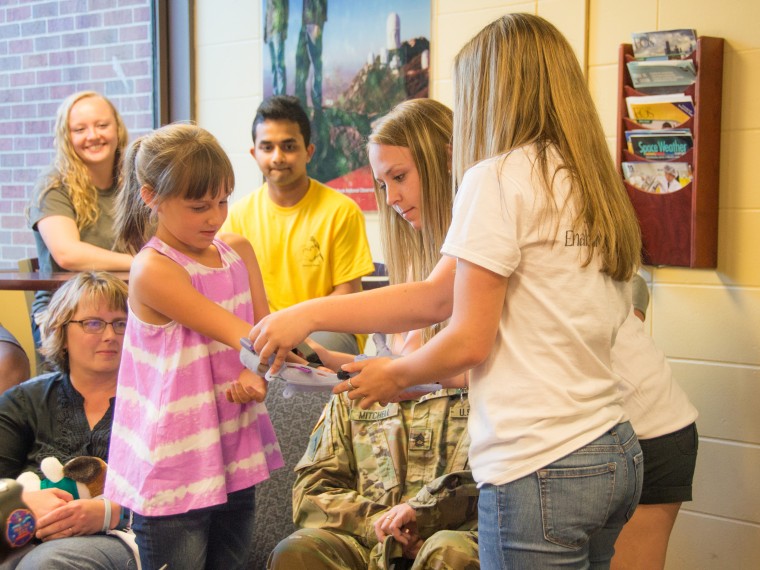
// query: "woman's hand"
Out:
[79,517]
[401,522]
[277,334]
[45,501]
[249,387]
[376,382]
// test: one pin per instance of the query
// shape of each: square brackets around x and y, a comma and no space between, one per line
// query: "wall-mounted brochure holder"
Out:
[680,228]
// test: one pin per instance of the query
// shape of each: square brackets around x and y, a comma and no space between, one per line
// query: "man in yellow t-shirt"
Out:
[309,239]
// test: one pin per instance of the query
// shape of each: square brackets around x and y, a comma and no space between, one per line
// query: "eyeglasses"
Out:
[95,326]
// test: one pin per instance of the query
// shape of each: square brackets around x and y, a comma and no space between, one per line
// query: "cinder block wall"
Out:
[49,50]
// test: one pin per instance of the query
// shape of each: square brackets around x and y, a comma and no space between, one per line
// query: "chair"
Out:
[29,265]
[293,419]
[378,278]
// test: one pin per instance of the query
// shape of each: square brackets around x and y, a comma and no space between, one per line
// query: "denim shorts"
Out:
[669,462]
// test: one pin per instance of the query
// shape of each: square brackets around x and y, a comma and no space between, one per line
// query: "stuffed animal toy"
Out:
[84,477]
[17,522]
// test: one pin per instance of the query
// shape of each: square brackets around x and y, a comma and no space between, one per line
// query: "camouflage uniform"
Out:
[360,463]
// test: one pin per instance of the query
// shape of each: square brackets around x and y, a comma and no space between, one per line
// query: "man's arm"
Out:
[353,286]
[324,493]
[448,502]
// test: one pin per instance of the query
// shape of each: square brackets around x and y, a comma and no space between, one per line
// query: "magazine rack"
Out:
[681,228]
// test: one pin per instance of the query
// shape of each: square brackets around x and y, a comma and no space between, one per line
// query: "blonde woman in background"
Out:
[71,213]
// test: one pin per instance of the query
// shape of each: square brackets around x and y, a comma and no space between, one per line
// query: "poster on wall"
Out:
[349,63]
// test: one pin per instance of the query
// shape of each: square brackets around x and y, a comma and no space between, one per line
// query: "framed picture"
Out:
[349,63]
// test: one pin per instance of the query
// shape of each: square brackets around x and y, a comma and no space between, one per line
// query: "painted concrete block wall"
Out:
[707,322]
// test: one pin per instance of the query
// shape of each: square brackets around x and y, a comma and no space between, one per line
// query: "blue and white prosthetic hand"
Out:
[299,378]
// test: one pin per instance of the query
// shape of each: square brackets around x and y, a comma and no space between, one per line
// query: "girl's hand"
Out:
[376,381]
[277,334]
[249,387]
[80,517]
[331,359]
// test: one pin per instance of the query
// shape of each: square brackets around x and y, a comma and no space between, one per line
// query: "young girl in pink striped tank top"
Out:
[191,436]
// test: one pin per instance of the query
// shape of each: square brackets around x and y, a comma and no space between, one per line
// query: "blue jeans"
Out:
[214,537]
[568,514]
[94,552]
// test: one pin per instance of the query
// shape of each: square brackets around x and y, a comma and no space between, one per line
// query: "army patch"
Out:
[420,439]
[359,415]
[461,410]
[314,440]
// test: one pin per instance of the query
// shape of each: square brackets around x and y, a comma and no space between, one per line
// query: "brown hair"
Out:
[175,160]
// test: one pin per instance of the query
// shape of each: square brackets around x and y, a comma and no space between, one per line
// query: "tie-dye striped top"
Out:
[177,444]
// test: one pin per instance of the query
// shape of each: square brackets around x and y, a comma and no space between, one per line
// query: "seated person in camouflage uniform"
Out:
[362,467]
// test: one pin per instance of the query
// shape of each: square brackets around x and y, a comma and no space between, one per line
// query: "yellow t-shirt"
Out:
[305,250]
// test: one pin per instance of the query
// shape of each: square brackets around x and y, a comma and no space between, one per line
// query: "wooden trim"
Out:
[174,60]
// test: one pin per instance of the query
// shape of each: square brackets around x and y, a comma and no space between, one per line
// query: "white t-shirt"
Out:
[654,401]
[547,387]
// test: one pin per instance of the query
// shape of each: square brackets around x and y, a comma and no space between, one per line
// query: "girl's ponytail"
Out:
[134,225]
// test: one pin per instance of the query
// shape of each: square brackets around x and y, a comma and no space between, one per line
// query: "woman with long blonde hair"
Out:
[71,213]
[415,137]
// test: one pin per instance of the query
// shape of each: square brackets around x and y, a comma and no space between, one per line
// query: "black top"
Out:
[45,417]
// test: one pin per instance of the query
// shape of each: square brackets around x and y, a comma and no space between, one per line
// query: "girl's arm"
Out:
[245,250]
[331,359]
[468,339]
[160,291]
[62,238]
[397,308]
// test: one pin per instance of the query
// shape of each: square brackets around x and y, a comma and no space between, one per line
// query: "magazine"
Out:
[664,44]
[671,76]
[659,145]
[660,111]
[657,177]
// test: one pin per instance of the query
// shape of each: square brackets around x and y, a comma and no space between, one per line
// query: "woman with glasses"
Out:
[68,414]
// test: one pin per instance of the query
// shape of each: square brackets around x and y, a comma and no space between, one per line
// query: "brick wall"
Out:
[48,50]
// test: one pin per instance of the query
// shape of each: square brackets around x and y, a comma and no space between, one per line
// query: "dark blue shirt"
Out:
[44,417]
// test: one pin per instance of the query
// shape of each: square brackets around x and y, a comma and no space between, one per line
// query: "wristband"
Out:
[125,519]
[107,516]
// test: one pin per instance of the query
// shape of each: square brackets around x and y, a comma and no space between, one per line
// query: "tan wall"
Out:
[707,322]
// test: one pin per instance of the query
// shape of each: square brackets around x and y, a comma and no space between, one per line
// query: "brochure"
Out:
[657,177]
[664,44]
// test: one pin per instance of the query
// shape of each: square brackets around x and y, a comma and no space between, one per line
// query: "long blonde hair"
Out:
[424,126]
[69,172]
[176,160]
[518,82]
